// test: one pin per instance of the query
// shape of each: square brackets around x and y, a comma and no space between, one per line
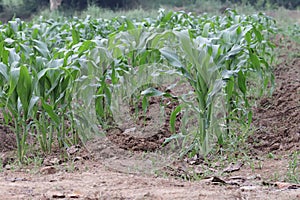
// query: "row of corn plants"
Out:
[62,79]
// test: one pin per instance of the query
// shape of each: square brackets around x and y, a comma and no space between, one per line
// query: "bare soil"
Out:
[278,117]
[128,164]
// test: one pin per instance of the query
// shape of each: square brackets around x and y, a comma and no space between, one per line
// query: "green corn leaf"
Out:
[217,88]
[205,31]
[25,49]
[250,115]
[248,37]
[152,92]
[35,33]
[257,34]
[42,73]
[50,111]
[32,103]
[108,95]
[24,89]
[255,61]
[42,48]
[75,36]
[130,25]
[14,58]
[14,26]
[99,106]
[167,17]
[86,45]
[114,76]
[229,88]
[242,82]
[3,71]
[145,104]
[13,80]
[173,118]
[188,47]
[173,137]
[5,55]
[171,57]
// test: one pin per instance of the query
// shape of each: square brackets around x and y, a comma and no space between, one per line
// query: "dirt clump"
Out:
[150,129]
[7,138]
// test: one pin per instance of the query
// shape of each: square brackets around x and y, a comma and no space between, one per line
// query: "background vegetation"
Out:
[25,9]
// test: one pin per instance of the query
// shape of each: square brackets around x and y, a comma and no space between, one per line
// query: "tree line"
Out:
[127,4]
[34,5]
[289,4]
[113,4]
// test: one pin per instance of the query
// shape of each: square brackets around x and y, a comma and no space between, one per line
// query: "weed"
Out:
[293,168]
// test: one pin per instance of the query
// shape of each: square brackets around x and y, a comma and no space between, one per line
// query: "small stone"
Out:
[130,130]
[74,195]
[58,195]
[51,161]
[78,158]
[73,149]
[86,157]
[48,170]
[249,188]
[46,162]
[7,167]
[55,161]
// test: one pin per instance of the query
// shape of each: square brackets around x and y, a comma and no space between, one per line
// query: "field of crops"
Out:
[62,81]
[101,101]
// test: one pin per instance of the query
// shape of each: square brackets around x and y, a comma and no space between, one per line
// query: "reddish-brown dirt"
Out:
[278,117]
[98,182]
[148,133]
[7,139]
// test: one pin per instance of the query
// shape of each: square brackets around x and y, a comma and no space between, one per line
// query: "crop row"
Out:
[58,78]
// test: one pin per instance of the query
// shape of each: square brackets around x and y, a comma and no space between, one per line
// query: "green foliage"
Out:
[290,4]
[62,78]
[293,31]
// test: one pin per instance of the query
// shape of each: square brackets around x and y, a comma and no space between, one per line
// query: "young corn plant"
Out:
[193,60]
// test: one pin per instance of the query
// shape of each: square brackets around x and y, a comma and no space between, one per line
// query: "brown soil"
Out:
[117,166]
[150,129]
[278,117]
[7,139]
[7,136]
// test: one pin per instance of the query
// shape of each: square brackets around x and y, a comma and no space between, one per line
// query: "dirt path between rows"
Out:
[100,183]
